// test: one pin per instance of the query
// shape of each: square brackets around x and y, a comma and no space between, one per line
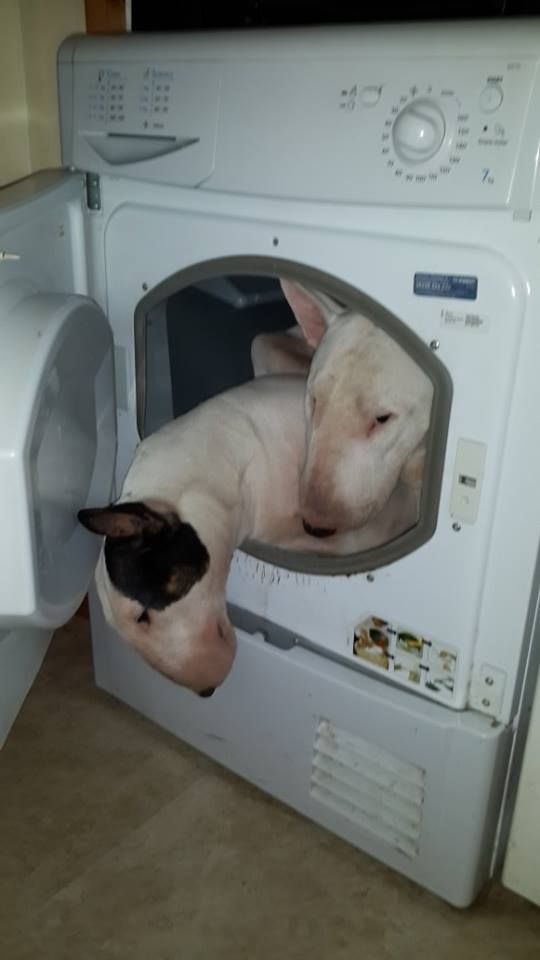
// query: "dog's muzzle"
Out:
[319,532]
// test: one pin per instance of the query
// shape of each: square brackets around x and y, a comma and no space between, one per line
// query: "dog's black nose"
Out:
[317,531]
[208,692]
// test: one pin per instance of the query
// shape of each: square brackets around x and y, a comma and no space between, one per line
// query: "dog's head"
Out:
[154,580]
[368,407]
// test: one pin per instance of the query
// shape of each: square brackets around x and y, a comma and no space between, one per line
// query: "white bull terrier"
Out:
[226,471]
[368,407]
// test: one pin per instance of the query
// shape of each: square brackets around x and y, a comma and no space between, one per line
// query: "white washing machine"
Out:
[396,167]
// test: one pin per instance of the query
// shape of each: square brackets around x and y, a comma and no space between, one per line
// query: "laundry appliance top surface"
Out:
[409,115]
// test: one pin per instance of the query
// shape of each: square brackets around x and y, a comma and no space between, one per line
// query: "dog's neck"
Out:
[220,524]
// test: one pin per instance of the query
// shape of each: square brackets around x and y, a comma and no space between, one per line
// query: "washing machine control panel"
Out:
[425,134]
[429,128]
[365,129]
[428,131]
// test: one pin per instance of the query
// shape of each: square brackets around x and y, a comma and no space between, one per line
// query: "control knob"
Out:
[418,131]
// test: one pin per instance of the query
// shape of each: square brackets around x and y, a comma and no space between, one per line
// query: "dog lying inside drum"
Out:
[227,471]
[368,408]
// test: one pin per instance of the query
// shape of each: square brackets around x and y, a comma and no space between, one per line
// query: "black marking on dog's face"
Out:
[150,557]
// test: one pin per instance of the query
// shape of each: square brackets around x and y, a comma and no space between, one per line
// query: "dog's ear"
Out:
[314,311]
[151,557]
[122,520]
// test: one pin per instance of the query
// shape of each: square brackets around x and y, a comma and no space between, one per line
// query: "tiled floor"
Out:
[117,841]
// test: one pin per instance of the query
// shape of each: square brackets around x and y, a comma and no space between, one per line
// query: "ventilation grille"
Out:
[377,791]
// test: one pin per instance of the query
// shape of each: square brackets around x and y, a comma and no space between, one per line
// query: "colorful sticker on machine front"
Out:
[451,285]
[412,657]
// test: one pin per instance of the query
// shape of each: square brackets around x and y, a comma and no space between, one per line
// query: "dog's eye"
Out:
[379,422]
[144,617]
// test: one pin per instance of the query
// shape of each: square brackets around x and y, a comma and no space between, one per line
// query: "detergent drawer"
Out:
[150,120]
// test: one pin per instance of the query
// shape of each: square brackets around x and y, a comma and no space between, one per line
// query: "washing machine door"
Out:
[57,449]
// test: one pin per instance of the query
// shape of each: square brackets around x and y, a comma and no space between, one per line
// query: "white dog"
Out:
[227,471]
[368,407]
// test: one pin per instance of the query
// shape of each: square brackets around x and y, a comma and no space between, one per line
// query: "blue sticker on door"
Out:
[450,285]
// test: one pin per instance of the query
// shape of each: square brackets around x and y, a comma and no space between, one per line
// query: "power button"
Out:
[491,98]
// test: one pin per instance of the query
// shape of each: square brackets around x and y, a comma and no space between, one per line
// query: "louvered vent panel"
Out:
[379,792]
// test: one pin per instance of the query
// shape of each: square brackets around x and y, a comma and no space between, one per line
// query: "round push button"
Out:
[491,98]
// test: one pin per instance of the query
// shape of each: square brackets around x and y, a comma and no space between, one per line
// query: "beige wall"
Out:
[30,33]
[15,147]
[522,867]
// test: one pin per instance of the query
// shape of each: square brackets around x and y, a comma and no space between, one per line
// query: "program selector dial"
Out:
[418,131]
